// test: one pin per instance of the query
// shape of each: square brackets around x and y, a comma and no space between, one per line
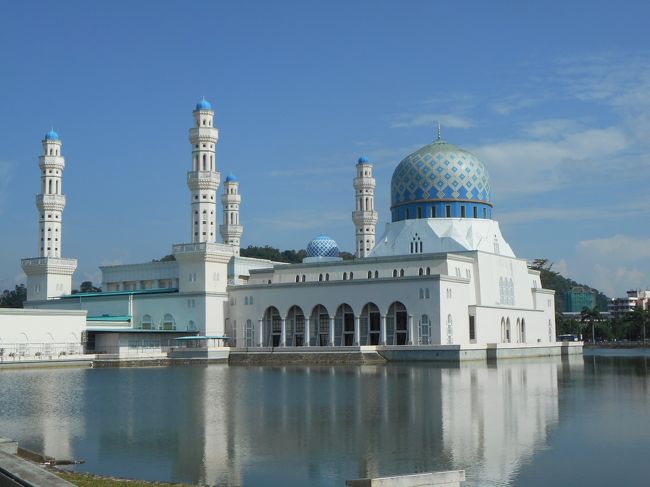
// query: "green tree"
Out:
[15,298]
[590,316]
[638,319]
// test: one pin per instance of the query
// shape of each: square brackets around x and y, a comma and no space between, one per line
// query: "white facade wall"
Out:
[38,326]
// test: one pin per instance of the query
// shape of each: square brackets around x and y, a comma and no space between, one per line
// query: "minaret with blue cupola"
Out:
[48,275]
[203,180]
[365,216]
[231,230]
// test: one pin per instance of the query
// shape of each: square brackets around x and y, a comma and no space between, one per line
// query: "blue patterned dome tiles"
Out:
[440,171]
[231,178]
[363,160]
[322,246]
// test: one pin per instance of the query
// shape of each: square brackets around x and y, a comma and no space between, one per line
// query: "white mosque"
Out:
[440,280]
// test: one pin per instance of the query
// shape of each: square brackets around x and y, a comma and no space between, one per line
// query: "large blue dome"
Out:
[231,178]
[51,135]
[322,246]
[440,180]
[203,105]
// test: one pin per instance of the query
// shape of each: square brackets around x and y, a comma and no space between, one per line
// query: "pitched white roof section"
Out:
[442,235]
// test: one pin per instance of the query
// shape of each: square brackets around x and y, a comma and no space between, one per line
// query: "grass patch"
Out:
[89,480]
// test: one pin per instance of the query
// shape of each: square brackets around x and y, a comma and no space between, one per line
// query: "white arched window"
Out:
[146,322]
[168,322]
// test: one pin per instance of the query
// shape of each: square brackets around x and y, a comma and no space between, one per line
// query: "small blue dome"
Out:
[51,135]
[231,178]
[322,246]
[203,105]
[363,160]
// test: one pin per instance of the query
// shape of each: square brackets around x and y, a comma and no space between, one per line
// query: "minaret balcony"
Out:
[204,134]
[203,180]
[50,202]
[365,217]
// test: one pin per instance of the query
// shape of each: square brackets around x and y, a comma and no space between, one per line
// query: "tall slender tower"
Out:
[203,179]
[49,275]
[231,230]
[365,216]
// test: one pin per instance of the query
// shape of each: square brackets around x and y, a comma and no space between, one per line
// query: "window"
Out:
[407,213]
[427,294]
[394,272]
[468,273]
[472,328]
[297,278]
[496,245]
[484,212]
[421,293]
[246,300]
[345,276]
[450,330]
[369,274]
[327,277]
[428,271]
[351,275]
[457,271]
[320,277]
[420,271]
[448,211]
[401,273]
[376,274]
[303,278]
[475,212]
[462,211]
[419,212]
[433,212]
[250,300]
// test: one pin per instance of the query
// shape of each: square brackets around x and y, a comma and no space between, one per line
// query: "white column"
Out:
[331,331]
[410,330]
[261,336]
[357,330]
[306,339]
[382,330]
[283,332]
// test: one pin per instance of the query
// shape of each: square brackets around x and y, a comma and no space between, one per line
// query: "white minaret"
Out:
[203,179]
[365,216]
[49,275]
[231,230]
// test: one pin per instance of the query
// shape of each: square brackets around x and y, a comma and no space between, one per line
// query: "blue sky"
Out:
[554,97]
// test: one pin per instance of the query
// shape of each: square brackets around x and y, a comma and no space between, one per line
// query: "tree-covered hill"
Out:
[560,284]
[277,255]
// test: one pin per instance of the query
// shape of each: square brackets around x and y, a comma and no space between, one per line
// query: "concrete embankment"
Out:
[19,472]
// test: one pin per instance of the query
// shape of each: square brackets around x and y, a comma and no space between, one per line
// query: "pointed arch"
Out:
[271,327]
[370,324]
[320,323]
[344,326]
[295,326]
[397,324]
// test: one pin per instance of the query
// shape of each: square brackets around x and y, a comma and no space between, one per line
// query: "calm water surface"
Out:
[521,423]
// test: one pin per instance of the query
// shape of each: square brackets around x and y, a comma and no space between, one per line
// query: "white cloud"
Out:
[561,267]
[613,280]
[621,247]
[546,164]
[304,219]
[631,209]
[407,120]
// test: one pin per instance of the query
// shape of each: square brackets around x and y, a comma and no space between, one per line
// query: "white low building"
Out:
[441,275]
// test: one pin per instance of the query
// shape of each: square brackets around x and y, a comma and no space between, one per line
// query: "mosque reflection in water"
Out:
[237,425]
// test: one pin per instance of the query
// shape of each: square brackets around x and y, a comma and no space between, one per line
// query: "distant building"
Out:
[634,299]
[578,298]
